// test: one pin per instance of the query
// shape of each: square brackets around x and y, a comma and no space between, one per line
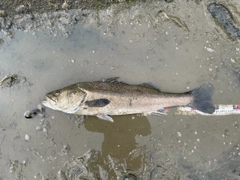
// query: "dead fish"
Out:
[112,97]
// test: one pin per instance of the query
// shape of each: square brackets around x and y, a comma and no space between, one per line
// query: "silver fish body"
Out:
[111,97]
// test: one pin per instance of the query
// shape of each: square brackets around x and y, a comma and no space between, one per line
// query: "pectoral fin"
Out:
[97,103]
[105,117]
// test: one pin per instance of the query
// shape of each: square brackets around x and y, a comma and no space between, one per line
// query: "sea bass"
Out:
[112,97]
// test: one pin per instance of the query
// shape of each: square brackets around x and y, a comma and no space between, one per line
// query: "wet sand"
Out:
[176,46]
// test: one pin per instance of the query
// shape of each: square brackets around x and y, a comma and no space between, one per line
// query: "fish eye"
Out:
[56,93]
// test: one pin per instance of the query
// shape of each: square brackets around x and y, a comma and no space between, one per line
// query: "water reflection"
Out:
[119,147]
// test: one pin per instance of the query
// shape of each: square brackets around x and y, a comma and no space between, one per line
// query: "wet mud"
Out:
[23,7]
[176,46]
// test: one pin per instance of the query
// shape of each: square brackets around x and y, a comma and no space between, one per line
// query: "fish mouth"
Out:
[49,98]
[46,102]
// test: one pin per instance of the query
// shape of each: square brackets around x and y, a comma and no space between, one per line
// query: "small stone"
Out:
[65,5]
[20,9]
[3,13]
[210,49]
[27,137]
[24,163]
[45,130]
[233,60]
[179,134]
[62,175]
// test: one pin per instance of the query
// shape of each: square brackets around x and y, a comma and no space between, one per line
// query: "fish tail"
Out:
[202,98]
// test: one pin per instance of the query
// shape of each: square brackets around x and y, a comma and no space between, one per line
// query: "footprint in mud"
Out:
[224,17]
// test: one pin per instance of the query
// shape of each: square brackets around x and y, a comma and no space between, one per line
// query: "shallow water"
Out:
[140,46]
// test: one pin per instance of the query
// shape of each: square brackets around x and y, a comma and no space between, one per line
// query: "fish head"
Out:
[67,99]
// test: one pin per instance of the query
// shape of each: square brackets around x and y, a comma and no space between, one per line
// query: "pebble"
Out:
[179,134]
[3,13]
[27,137]
[20,9]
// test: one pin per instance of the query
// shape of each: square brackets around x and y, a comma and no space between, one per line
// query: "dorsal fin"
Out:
[112,80]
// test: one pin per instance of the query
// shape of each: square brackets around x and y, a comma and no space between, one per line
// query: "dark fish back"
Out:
[109,87]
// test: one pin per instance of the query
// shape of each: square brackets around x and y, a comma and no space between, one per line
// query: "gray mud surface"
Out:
[176,46]
[35,6]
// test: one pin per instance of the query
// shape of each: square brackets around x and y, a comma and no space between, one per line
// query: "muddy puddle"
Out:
[176,46]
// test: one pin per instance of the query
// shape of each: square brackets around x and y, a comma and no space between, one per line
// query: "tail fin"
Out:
[202,98]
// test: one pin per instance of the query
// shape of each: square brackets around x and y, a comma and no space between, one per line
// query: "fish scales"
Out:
[130,99]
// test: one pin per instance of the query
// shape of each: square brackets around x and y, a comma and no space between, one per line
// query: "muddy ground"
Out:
[175,45]
[21,6]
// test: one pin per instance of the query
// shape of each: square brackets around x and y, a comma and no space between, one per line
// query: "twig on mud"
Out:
[2,142]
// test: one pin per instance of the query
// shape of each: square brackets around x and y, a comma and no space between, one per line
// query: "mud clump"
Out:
[22,9]
[16,168]
[224,17]
[11,80]
[23,6]
[78,169]
[3,13]
[59,22]
[5,23]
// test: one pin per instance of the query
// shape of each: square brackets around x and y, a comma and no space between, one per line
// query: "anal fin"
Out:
[159,112]
[105,117]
